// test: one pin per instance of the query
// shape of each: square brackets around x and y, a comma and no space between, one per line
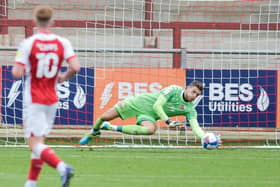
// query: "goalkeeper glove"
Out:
[171,123]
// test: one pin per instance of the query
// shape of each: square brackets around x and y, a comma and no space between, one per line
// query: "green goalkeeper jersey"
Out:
[174,105]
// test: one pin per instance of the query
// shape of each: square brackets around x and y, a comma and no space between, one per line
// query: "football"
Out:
[210,141]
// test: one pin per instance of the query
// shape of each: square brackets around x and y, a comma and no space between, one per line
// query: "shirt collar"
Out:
[44,32]
[182,97]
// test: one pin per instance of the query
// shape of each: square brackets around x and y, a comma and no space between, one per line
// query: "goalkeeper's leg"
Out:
[146,128]
[95,131]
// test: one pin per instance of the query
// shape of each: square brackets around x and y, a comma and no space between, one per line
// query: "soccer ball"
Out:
[210,141]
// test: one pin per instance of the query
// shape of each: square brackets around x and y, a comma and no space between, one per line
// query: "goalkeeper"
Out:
[150,107]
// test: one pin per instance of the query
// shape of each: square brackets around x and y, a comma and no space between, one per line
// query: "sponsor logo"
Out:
[63,92]
[197,100]
[80,97]
[75,105]
[263,100]
[106,94]
[14,93]
[234,97]
[126,90]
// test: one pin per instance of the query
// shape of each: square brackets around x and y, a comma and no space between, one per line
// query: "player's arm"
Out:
[197,130]
[192,117]
[158,106]
[21,59]
[18,70]
[73,68]
[72,60]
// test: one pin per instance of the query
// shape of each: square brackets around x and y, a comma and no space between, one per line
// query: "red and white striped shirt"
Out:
[42,55]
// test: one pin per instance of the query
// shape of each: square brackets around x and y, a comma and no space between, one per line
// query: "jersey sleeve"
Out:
[197,130]
[191,114]
[158,107]
[68,50]
[165,94]
[22,53]
[192,117]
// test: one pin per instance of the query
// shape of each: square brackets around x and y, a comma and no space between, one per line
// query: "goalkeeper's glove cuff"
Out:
[168,121]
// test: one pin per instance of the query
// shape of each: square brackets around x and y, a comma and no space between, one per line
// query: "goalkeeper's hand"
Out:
[172,123]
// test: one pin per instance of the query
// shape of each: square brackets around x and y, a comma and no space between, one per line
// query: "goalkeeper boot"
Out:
[106,126]
[67,175]
[87,137]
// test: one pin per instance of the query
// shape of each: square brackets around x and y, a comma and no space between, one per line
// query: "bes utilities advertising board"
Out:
[236,98]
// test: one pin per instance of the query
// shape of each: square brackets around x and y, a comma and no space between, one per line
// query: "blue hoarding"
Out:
[236,98]
[75,106]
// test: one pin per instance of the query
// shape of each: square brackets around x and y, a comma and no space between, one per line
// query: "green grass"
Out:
[112,167]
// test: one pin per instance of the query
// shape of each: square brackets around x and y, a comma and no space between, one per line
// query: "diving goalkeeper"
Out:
[150,107]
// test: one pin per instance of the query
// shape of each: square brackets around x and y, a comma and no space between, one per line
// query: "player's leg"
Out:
[47,155]
[35,168]
[145,126]
[95,131]
[109,115]
[35,133]
[36,163]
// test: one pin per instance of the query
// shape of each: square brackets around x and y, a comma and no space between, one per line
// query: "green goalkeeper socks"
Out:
[127,129]
[133,129]
[97,124]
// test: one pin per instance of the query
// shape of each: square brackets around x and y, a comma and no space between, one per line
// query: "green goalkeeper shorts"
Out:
[126,110]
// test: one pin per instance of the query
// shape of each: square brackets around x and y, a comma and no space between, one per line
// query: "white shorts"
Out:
[38,119]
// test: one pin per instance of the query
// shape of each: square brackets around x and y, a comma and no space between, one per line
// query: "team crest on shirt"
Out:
[182,107]
[18,55]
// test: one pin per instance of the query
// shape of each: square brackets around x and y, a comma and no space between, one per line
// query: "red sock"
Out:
[35,169]
[50,157]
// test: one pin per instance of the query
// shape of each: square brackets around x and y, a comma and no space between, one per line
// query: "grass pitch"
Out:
[113,167]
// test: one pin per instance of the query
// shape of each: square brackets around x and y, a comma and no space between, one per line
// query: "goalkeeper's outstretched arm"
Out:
[160,112]
[196,128]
